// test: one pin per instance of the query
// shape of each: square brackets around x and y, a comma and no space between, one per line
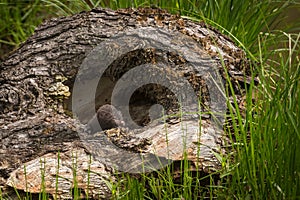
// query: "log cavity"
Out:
[149,94]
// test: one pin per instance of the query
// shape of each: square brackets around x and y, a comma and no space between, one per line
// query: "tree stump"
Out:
[144,61]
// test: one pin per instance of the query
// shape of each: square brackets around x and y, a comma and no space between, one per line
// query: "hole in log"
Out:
[148,94]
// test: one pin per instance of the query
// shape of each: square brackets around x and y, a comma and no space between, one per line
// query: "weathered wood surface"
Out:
[36,120]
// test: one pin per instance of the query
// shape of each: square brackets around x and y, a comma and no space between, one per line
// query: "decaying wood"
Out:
[36,120]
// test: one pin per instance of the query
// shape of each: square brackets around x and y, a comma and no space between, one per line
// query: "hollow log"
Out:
[52,85]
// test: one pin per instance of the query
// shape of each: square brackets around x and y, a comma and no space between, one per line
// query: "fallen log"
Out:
[143,61]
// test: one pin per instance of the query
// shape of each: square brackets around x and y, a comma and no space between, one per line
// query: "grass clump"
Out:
[268,165]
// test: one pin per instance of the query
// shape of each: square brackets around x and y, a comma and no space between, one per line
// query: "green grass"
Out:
[265,163]
[268,162]
[17,20]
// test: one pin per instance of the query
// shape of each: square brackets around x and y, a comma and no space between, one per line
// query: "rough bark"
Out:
[36,120]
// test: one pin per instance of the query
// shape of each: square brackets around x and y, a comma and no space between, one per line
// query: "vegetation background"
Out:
[265,159]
